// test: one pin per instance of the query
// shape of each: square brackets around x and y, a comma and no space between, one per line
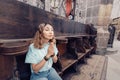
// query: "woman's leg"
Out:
[53,75]
[39,76]
[42,79]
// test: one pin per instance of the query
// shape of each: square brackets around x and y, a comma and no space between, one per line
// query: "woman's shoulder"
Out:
[31,45]
[32,48]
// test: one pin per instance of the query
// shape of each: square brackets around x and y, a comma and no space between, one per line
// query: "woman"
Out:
[42,53]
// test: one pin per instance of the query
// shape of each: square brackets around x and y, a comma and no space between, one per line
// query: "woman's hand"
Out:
[50,50]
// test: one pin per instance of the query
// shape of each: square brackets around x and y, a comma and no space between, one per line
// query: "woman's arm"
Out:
[37,67]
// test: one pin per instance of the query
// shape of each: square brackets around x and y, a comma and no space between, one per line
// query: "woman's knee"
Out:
[54,75]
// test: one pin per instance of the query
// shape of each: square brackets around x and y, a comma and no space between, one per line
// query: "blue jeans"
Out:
[50,74]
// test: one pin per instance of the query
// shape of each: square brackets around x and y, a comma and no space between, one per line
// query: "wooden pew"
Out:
[18,24]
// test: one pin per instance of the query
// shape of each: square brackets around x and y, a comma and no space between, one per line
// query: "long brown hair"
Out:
[37,40]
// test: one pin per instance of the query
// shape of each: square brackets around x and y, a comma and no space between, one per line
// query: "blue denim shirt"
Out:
[35,55]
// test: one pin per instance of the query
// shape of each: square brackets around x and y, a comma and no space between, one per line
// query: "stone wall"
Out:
[86,11]
[97,12]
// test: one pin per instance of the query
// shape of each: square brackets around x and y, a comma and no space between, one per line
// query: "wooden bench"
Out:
[18,23]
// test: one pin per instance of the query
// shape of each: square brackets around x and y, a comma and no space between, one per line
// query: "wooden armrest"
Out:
[14,48]
[14,40]
[61,40]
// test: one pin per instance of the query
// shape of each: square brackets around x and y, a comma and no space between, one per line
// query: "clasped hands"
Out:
[51,50]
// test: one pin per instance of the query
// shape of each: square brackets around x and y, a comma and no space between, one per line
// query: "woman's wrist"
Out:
[46,58]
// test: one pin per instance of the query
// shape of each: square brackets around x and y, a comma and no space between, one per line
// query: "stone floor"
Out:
[100,67]
[113,67]
[92,70]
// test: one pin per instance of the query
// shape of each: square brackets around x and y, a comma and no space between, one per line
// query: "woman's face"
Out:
[48,32]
